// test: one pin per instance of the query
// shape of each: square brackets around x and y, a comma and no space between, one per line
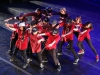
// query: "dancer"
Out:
[67,36]
[50,45]
[35,43]
[21,43]
[14,36]
[84,35]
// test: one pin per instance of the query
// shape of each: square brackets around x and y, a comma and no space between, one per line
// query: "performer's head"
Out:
[54,23]
[63,10]
[78,19]
[49,9]
[22,26]
[88,25]
[34,30]
[34,23]
[38,11]
[20,16]
[45,20]
[68,22]
[55,32]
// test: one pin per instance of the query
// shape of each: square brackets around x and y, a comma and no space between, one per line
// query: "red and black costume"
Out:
[77,28]
[35,46]
[52,49]
[68,29]
[85,36]
[21,44]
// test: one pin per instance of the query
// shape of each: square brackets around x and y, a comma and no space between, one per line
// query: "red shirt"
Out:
[85,35]
[67,30]
[35,46]
[46,28]
[40,28]
[77,27]
[22,43]
[27,25]
[52,38]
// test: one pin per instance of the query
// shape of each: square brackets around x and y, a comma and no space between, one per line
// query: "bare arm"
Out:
[81,33]
[10,19]
[67,33]
[8,26]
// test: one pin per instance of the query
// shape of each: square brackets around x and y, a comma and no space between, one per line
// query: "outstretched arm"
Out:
[12,18]
[9,26]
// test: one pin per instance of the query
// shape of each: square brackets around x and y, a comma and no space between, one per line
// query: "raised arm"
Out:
[10,27]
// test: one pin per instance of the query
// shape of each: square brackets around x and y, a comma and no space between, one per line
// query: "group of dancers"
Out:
[43,37]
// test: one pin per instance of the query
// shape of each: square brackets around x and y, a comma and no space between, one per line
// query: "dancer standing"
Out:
[84,35]
[51,45]
[67,36]
[21,43]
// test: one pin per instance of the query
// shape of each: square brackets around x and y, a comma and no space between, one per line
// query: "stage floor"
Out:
[87,64]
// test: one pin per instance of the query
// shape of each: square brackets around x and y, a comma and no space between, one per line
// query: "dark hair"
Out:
[24,31]
[46,19]
[91,27]
[34,22]
[69,20]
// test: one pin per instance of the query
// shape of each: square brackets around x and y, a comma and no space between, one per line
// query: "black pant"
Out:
[13,41]
[71,48]
[76,34]
[12,44]
[89,43]
[30,54]
[23,53]
[53,54]
[29,50]
[39,57]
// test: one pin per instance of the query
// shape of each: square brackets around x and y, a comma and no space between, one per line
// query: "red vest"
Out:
[35,46]
[50,39]
[85,35]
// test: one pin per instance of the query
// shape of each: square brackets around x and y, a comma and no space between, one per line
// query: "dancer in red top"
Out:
[77,25]
[14,36]
[84,35]
[51,45]
[67,36]
[35,43]
[21,43]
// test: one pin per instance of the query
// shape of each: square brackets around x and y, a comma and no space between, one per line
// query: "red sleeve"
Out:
[15,25]
[81,25]
[47,34]
[88,30]
[17,30]
[72,27]
[61,24]
[57,39]
[40,28]
[27,25]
